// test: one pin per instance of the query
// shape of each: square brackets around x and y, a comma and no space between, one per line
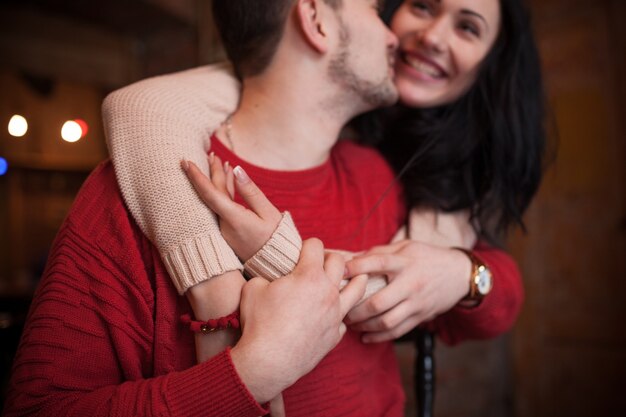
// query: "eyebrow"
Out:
[471,13]
[478,15]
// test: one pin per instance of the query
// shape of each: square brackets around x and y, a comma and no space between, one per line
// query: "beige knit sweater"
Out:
[151,126]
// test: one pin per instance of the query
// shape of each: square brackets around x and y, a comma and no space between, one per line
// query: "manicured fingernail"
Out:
[240,174]
[211,157]
[226,166]
[185,165]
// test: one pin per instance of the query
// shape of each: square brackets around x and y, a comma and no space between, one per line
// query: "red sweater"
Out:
[330,202]
[103,336]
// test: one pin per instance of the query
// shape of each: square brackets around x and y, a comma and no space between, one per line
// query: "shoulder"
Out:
[173,93]
[103,240]
[101,272]
[99,209]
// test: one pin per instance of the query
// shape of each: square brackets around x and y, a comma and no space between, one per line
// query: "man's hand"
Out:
[290,324]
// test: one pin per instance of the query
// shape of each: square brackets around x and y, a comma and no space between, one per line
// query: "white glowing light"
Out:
[71,131]
[18,126]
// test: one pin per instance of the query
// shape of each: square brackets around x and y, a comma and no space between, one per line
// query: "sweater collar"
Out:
[282,179]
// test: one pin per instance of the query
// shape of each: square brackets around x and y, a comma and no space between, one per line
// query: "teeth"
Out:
[423,66]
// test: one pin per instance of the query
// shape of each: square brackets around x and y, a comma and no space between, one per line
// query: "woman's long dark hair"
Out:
[483,152]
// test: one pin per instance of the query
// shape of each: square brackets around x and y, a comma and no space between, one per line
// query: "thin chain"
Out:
[228,124]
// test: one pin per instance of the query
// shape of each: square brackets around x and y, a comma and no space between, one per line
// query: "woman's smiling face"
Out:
[442,44]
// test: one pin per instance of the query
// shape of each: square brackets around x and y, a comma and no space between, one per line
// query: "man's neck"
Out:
[283,128]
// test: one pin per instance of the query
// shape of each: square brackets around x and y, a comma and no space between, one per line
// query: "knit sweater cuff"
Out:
[199,259]
[280,254]
[212,388]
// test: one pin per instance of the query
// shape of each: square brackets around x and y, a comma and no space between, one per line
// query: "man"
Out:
[316,65]
[326,62]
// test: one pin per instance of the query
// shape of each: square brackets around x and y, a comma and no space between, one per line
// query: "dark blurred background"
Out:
[567,354]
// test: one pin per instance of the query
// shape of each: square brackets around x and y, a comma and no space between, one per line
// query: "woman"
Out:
[468,134]
[467,142]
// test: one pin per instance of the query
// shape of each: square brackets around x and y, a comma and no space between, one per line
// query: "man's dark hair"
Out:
[252,29]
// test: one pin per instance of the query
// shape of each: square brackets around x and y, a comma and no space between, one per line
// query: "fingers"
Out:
[230,182]
[392,334]
[253,285]
[342,330]
[311,255]
[389,248]
[386,321]
[218,172]
[379,303]
[253,196]
[250,292]
[215,198]
[334,266]
[378,264]
[351,294]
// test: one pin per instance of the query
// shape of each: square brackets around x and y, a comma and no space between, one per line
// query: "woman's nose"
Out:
[435,35]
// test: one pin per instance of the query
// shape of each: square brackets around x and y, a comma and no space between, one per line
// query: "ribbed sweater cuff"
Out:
[212,388]
[280,254]
[199,259]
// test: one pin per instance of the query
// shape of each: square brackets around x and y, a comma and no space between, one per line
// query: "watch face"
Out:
[483,281]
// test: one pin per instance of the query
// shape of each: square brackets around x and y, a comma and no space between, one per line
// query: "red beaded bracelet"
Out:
[211,325]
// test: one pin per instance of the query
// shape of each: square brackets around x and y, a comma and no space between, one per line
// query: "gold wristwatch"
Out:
[481,278]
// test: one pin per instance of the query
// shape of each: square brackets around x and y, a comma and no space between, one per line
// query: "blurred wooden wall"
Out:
[58,60]
[570,344]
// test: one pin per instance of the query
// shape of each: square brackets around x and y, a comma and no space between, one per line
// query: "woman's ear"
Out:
[313,20]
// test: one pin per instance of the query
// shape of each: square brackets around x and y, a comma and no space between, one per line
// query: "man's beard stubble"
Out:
[373,94]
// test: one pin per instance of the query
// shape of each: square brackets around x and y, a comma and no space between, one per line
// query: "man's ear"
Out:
[313,18]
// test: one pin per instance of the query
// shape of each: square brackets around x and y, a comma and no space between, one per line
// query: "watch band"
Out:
[480,276]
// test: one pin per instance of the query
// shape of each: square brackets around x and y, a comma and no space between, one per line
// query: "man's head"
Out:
[252,29]
[346,37]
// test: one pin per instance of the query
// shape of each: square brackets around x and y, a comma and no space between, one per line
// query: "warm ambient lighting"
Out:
[18,126]
[74,130]
[4,166]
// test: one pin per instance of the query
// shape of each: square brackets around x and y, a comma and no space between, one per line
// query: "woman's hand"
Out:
[245,230]
[423,281]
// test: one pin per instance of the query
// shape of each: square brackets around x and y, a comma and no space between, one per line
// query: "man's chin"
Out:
[393,99]
[385,96]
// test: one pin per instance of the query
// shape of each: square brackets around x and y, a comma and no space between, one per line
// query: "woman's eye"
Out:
[470,29]
[420,6]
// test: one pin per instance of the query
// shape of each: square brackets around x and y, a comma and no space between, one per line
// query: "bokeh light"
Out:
[73,130]
[4,166]
[18,126]
[83,126]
